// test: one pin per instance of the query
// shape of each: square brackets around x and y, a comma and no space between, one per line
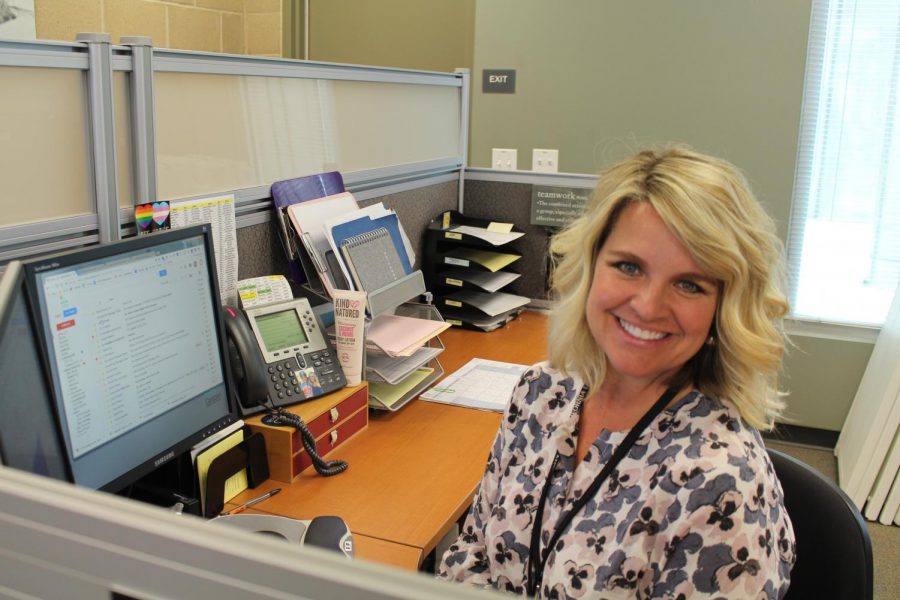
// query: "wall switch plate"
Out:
[545,161]
[505,159]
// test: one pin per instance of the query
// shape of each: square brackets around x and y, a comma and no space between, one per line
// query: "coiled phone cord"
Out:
[323,467]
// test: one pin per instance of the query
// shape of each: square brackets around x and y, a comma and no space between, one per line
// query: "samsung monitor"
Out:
[29,434]
[134,343]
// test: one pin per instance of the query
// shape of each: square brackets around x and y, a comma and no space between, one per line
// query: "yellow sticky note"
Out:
[499,227]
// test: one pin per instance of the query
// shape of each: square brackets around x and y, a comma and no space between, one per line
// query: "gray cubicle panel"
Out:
[62,541]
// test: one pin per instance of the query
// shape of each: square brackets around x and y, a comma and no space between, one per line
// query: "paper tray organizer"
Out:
[381,301]
[376,399]
[441,240]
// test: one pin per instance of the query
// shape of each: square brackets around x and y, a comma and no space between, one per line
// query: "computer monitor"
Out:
[134,341]
[29,434]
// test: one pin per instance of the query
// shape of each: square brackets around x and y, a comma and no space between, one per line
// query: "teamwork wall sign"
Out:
[553,206]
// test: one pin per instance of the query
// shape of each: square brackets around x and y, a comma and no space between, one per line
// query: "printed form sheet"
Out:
[480,383]
[219,212]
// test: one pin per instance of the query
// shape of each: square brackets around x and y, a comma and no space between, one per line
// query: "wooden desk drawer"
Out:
[333,438]
[344,411]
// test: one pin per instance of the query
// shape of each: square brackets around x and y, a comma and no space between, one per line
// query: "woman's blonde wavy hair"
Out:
[707,204]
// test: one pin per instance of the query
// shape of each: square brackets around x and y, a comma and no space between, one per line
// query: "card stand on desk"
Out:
[419,374]
[249,454]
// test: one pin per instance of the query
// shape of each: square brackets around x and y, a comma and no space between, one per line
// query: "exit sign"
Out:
[498,81]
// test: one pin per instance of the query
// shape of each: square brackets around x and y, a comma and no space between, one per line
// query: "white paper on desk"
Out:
[218,211]
[496,238]
[480,383]
[260,291]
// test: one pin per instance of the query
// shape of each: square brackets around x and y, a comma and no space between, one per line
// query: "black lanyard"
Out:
[536,564]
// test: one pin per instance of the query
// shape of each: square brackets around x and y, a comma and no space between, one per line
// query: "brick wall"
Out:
[230,26]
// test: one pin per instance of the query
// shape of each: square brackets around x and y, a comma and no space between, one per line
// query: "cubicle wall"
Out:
[94,128]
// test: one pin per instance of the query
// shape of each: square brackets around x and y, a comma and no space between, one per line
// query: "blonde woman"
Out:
[630,464]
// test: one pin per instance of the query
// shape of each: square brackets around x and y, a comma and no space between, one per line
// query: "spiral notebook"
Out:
[372,259]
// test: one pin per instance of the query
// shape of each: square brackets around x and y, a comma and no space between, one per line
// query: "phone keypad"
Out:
[283,382]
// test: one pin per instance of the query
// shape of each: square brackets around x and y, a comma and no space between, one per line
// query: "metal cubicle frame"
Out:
[96,56]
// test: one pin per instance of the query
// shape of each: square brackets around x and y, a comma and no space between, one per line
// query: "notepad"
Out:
[372,259]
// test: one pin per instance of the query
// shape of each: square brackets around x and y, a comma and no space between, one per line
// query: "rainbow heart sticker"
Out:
[143,215]
[160,212]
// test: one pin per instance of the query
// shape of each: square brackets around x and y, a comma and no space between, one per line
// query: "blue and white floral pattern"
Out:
[693,511]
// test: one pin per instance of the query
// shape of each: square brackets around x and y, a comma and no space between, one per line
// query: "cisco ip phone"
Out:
[280,357]
[279,354]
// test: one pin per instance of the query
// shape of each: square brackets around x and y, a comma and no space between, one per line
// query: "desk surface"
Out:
[412,472]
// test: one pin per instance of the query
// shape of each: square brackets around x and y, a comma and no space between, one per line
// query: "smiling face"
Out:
[651,306]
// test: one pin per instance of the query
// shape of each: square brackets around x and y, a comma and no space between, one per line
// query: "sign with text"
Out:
[498,81]
[553,206]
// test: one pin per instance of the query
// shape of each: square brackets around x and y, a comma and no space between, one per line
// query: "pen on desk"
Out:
[250,503]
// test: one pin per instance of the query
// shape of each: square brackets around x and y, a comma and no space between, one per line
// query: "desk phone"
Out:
[281,354]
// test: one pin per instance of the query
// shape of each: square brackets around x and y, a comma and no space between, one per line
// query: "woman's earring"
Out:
[711,341]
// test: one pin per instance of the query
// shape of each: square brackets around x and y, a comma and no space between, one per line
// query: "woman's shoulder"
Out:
[543,386]
[713,440]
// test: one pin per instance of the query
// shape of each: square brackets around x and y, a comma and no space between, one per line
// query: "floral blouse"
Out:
[694,510]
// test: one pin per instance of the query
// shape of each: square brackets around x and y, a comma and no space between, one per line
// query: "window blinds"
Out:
[844,238]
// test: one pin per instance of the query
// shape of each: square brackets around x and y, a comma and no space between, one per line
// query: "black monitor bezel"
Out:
[12,283]
[40,265]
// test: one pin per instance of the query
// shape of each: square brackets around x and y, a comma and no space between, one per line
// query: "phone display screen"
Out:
[281,330]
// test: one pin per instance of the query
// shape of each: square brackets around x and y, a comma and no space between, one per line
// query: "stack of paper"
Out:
[393,370]
[389,395]
[401,336]
[486,280]
[308,219]
[477,319]
[494,237]
[324,223]
[490,304]
[492,261]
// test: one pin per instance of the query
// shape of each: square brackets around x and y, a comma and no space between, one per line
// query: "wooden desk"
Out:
[413,472]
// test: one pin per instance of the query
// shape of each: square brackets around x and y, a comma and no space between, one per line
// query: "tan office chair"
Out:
[834,552]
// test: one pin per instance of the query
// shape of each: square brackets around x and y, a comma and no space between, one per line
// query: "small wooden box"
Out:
[332,419]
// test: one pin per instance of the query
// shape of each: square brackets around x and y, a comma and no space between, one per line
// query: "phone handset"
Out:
[251,377]
[247,364]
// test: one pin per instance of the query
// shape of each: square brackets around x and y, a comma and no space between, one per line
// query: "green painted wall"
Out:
[821,377]
[598,79]
[432,35]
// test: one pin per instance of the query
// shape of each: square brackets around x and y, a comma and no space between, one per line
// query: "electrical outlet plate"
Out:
[504,159]
[545,161]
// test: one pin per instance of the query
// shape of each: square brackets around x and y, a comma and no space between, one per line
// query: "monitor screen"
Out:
[135,348]
[29,434]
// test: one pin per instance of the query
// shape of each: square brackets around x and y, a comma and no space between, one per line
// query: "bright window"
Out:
[844,241]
